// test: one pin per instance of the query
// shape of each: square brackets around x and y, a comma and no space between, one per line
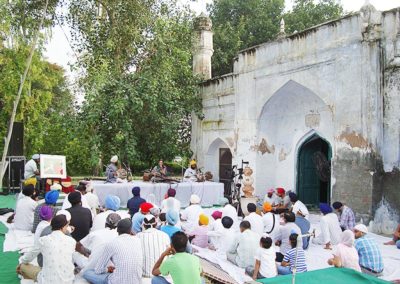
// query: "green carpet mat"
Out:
[326,276]
[8,260]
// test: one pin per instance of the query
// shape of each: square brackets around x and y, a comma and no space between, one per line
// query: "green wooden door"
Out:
[310,188]
[308,180]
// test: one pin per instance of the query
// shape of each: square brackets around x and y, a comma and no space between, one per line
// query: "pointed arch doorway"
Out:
[314,171]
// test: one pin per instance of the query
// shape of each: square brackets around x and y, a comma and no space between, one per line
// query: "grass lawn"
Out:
[8,260]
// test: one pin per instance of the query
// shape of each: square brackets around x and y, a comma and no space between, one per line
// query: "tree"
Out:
[241,24]
[307,13]
[139,83]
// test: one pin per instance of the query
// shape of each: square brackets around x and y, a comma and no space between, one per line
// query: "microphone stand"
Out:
[299,240]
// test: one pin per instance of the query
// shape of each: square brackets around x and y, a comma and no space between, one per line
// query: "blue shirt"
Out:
[170,230]
[290,257]
[134,204]
[369,254]
[137,221]
[304,226]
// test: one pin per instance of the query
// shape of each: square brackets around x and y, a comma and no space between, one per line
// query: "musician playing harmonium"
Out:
[160,169]
[191,173]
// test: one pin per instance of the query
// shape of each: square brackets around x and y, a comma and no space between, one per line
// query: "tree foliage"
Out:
[139,83]
[308,13]
[241,24]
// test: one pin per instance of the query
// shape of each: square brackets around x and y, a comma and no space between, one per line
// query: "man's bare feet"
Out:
[391,243]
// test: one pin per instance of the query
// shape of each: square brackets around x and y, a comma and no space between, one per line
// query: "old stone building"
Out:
[326,97]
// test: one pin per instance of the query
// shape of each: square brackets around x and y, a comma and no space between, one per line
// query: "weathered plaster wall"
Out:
[332,80]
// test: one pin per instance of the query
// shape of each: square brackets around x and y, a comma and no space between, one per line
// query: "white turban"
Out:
[56,186]
[194,199]
[361,228]
[65,213]
[36,157]
[114,159]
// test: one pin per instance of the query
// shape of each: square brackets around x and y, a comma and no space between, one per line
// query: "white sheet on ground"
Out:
[316,255]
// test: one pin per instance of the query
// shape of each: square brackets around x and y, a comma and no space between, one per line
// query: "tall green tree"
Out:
[139,83]
[241,24]
[308,13]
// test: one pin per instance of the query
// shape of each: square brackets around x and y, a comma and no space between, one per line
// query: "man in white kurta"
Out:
[298,206]
[244,248]
[170,202]
[31,169]
[191,214]
[191,172]
[270,221]
[330,228]
[57,249]
[256,221]
[25,210]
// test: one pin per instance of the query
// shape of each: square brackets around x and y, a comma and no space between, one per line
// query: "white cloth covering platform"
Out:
[209,192]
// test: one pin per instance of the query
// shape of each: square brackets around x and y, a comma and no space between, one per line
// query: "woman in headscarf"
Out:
[346,254]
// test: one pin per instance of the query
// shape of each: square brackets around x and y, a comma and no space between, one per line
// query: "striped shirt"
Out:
[125,252]
[369,254]
[290,257]
[154,243]
[347,219]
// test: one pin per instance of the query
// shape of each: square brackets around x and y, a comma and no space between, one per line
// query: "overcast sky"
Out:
[59,51]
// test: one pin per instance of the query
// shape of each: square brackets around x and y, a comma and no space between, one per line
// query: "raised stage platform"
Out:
[209,192]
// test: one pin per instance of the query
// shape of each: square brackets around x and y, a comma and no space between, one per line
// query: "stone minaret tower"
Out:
[203,46]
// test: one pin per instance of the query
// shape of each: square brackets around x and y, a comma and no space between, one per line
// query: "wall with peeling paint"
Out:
[339,80]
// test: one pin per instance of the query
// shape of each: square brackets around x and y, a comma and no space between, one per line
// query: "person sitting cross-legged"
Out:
[134,203]
[256,221]
[347,219]
[125,253]
[25,209]
[330,228]
[50,201]
[57,249]
[93,244]
[244,248]
[345,254]
[289,262]
[199,235]
[285,231]
[183,267]
[154,243]
[265,266]
[369,254]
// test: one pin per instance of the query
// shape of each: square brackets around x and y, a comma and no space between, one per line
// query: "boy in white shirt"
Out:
[265,266]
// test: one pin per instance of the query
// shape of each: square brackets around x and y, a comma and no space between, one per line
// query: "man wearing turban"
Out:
[191,172]
[111,170]
[330,227]
[50,198]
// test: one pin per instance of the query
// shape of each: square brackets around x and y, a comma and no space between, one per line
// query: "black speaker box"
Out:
[16,147]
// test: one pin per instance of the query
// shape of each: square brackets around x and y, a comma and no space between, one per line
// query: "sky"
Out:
[59,51]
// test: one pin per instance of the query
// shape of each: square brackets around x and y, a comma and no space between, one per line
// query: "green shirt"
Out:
[183,267]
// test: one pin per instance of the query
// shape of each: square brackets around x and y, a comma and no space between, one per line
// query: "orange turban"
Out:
[267,207]
[203,220]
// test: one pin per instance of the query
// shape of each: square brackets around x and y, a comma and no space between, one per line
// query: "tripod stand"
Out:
[236,184]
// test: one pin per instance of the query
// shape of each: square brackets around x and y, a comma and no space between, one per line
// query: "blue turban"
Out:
[113,202]
[172,217]
[325,208]
[136,191]
[51,197]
